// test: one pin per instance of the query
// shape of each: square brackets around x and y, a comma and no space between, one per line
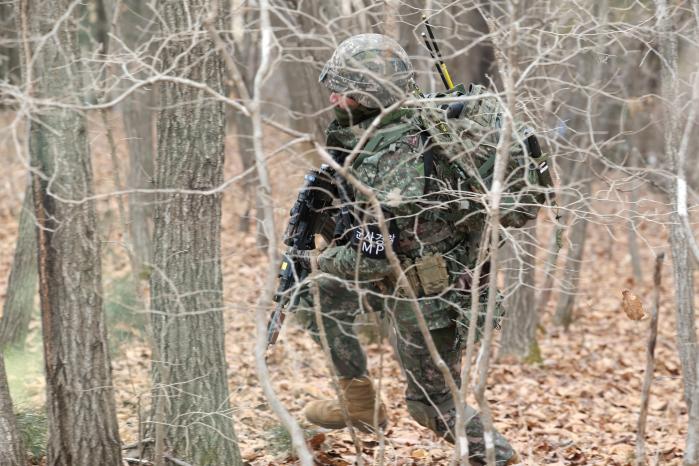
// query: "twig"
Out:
[137,461]
[137,444]
[176,461]
[650,363]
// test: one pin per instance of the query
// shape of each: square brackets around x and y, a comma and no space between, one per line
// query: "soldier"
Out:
[366,74]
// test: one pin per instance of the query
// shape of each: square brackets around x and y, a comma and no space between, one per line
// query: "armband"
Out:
[370,242]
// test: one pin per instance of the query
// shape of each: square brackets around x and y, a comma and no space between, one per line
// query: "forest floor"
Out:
[579,406]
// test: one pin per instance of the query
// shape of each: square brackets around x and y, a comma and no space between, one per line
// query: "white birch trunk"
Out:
[679,239]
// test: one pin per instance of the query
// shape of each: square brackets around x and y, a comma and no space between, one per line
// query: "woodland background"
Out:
[152,149]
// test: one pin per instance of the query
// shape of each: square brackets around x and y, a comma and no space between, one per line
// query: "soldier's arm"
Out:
[346,262]
[396,177]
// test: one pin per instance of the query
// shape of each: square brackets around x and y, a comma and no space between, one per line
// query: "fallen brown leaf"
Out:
[419,454]
[632,306]
[316,441]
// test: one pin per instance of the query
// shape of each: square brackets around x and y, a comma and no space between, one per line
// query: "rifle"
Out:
[311,214]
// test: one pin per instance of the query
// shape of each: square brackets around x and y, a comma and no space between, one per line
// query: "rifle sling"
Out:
[427,159]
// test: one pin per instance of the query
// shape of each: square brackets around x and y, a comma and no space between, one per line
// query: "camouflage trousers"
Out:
[427,395]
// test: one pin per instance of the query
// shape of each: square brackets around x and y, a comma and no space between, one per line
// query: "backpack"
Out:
[463,137]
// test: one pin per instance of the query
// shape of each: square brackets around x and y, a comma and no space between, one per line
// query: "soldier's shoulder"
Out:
[395,139]
[341,136]
[392,146]
[403,150]
[399,170]
[396,152]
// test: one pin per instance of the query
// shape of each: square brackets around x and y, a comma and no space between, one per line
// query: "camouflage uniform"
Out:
[356,278]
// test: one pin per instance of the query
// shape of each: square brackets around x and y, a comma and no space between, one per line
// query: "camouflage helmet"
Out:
[373,69]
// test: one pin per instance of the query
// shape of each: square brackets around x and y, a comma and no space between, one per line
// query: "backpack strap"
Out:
[382,139]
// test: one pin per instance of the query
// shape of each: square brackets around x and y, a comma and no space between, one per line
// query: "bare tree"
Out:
[577,179]
[520,324]
[680,236]
[246,61]
[11,452]
[190,383]
[21,285]
[135,26]
[76,354]
[9,52]
[650,362]
[576,249]
[302,32]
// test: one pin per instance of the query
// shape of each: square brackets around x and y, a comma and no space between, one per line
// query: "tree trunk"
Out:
[9,54]
[304,99]
[573,173]
[479,63]
[249,57]
[679,235]
[11,452]
[636,267]
[635,160]
[135,24]
[573,264]
[243,128]
[576,174]
[686,322]
[80,397]
[549,271]
[691,454]
[186,283]
[21,286]
[519,326]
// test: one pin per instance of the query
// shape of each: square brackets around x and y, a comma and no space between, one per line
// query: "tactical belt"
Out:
[409,245]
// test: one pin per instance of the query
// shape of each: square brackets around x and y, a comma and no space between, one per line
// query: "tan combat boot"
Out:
[360,396]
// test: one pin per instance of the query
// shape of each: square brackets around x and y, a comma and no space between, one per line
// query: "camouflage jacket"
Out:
[421,223]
